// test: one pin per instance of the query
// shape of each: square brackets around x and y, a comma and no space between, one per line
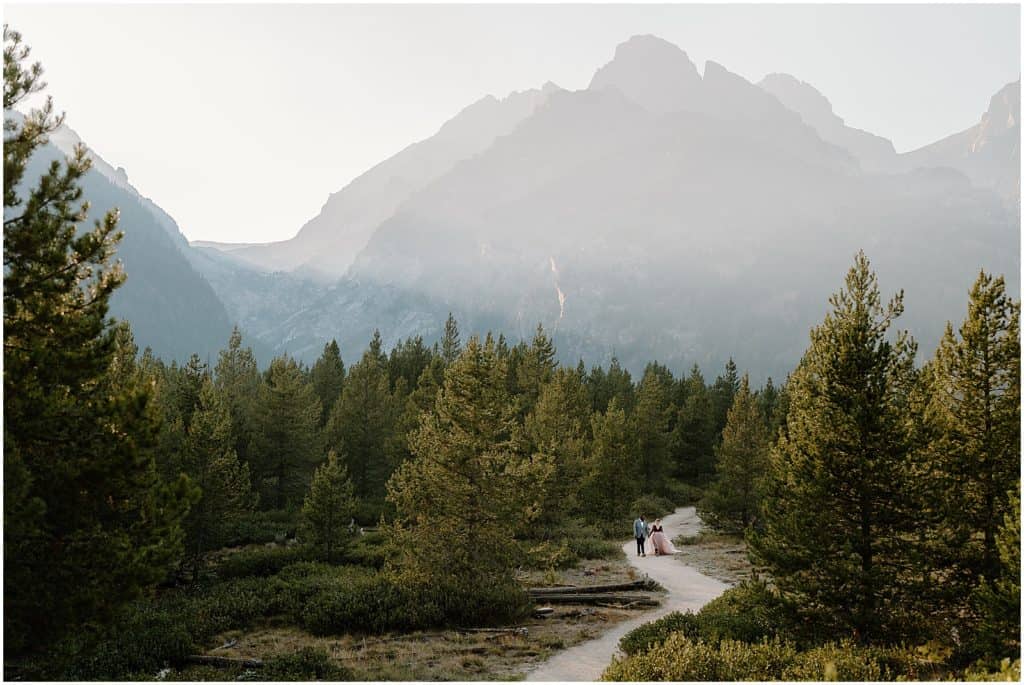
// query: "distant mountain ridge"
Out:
[170,305]
[661,213]
[329,242]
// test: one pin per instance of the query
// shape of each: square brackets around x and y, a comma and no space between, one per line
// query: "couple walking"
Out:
[659,541]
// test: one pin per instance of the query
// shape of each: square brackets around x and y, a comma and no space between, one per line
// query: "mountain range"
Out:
[660,213]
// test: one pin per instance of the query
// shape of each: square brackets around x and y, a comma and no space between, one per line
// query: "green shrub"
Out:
[263,527]
[306,664]
[651,634]
[748,612]
[680,658]
[549,554]
[1007,671]
[651,507]
[848,662]
[594,548]
[368,550]
[262,561]
[377,604]
[683,659]
[142,638]
[683,494]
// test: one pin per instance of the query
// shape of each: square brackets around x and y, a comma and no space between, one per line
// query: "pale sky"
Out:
[240,120]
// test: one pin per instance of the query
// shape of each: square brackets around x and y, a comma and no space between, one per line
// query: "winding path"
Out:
[687,589]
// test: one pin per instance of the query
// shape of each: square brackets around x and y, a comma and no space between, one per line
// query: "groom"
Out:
[640,532]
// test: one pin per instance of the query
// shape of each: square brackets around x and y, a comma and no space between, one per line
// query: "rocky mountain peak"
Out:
[651,72]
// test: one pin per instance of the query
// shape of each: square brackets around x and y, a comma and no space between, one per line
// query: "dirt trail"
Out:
[687,589]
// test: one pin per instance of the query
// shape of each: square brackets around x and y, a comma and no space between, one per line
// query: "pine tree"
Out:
[328,377]
[210,462]
[975,415]
[450,345]
[650,424]
[614,383]
[290,448]
[768,400]
[613,473]
[469,485]
[363,427]
[742,459]
[87,522]
[237,379]
[722,394]
[534,370]
[998,598]
[329,507]
[693,441]
[559,429]
[407,361]
[839,510]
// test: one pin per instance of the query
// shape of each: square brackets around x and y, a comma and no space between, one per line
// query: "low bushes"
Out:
[683,659]
[651,507]
[656,632]
[378,604]
[263,527]
[306,664]
[749,612]
[262,561]
[151,634]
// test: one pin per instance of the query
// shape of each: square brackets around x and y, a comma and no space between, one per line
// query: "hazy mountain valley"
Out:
[660,213]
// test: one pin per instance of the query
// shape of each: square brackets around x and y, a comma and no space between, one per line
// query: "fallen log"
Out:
[628,605]
[518,631]
[597,598]
[222,661]
[645,584]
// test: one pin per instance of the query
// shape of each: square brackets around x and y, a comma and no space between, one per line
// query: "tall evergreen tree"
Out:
[210,462]
[559,428]
[998,597]
[450,344]
[693,441]
[732,500]
[290,448]
[87,522]
[363,427]
[613,383]
[839,510]
[534,370]
[329,507]
[328,376]
[238,380]
[407,361]
[975,413]
[613,477]
[722,394]
[470,484]
[650,425]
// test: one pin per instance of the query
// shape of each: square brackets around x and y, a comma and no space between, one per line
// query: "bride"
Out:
[660,541]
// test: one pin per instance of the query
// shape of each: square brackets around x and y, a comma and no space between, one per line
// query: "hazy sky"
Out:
[239,120]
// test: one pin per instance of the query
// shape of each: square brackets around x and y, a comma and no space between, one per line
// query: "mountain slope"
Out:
[874,152]
[681,235]
[988,152]
[171,307]
[328,243]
